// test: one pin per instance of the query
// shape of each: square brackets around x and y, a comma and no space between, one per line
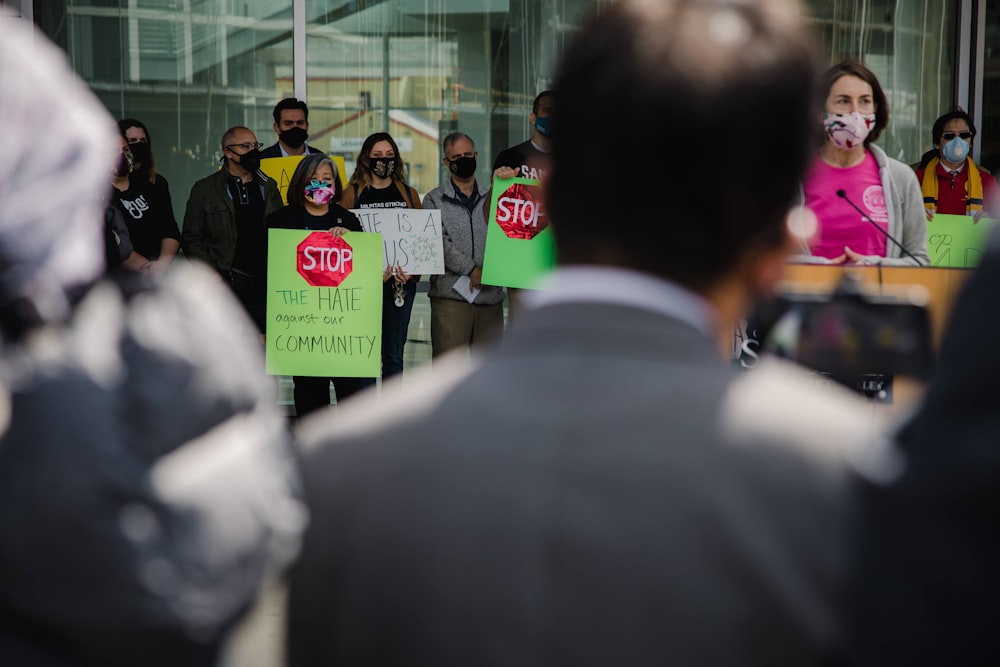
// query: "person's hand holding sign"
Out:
[505,172]
[340,231]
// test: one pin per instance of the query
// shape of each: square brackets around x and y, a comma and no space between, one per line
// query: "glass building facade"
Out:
[189,69]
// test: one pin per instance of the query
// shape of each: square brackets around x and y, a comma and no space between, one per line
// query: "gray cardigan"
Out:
[907,220]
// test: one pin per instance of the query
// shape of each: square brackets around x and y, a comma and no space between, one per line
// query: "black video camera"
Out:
[857,339]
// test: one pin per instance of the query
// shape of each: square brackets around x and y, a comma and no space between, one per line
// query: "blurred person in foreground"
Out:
[626,499]
[927,583]
[145,480]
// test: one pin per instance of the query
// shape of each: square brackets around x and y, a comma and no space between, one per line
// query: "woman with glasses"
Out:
[147,211]
[311,191]
[378,182]
[950,181]
[867,206]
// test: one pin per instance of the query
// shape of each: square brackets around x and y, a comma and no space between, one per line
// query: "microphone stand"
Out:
[843,195]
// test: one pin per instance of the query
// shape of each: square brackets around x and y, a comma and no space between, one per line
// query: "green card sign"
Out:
[324,304]
[957,241]
[519,245]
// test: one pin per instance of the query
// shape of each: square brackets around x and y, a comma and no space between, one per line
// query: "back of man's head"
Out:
[698,117]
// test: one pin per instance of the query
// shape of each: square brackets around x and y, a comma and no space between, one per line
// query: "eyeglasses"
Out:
[948,136]
[247,147]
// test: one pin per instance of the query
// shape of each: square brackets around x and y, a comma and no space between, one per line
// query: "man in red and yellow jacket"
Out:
[951,181]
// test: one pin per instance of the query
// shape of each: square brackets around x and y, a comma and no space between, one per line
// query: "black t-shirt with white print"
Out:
[148,216]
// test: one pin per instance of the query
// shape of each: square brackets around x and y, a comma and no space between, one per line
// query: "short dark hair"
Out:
[957,114]
[857,70]
[289,103]
[706,190]
[538,100]
[452,138]
[304,170]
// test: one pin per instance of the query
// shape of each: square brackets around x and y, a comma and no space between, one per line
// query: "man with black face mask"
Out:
[463,311]
[291,124]
[224,221]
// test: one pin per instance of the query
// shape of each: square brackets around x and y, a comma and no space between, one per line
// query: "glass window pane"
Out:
[188,69]
[910,45]
[989,132]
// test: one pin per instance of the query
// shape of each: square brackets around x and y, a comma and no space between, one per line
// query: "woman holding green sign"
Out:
[311,191]
[378,182]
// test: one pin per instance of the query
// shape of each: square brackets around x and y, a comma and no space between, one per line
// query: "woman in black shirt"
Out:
[148,216]
[310,206]
[378,182]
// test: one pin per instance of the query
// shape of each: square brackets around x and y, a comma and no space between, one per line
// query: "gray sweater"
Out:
[463,234]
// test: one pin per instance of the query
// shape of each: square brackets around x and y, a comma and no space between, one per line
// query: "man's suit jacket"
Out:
[597,491]
[274,150]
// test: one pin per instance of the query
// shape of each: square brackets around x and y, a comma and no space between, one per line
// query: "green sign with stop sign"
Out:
[519,246]
[324,304]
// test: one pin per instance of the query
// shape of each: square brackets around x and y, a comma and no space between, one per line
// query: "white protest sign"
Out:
[411,237]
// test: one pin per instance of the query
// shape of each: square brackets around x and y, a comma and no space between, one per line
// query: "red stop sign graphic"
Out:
[324,260]
[520,213]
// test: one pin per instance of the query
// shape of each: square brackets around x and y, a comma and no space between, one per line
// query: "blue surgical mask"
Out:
[955,150]
[544,126]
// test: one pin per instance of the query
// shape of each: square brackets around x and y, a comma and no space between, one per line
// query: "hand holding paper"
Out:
[464,287]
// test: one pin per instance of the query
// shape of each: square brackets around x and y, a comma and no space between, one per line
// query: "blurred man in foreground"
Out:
[624,500]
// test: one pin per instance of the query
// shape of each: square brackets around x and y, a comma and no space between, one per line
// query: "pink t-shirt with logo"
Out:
[839,224]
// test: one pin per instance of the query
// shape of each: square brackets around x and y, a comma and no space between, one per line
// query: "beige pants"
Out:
[456,324]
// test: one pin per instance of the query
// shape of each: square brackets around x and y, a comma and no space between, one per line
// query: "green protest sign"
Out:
[324,304]
[519,244]
[957,241]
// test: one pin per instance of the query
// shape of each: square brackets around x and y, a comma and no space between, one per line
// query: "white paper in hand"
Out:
[464,287]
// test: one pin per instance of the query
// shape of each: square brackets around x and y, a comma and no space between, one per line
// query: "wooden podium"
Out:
[942,285]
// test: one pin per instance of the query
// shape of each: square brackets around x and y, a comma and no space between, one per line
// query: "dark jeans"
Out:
[395,323]
[313,393]
[252,293]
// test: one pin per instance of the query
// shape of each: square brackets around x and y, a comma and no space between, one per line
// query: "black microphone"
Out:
[843,195]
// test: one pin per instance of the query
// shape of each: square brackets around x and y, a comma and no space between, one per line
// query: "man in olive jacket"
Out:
[463,311]
[224,221]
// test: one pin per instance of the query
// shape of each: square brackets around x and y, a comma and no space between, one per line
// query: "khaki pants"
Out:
[456,324]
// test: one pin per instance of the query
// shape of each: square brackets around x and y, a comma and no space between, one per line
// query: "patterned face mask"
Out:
[320,192]
[382,166]
[848,130]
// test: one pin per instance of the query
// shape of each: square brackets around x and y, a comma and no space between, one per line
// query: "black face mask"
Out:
[463,167]
[141,153]
[382,166]
[294,137]
[250,160]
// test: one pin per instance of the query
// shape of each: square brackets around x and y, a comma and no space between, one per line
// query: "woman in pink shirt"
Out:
[860,196]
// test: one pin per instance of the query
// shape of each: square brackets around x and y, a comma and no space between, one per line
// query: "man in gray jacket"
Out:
[600,489]
[464,312]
